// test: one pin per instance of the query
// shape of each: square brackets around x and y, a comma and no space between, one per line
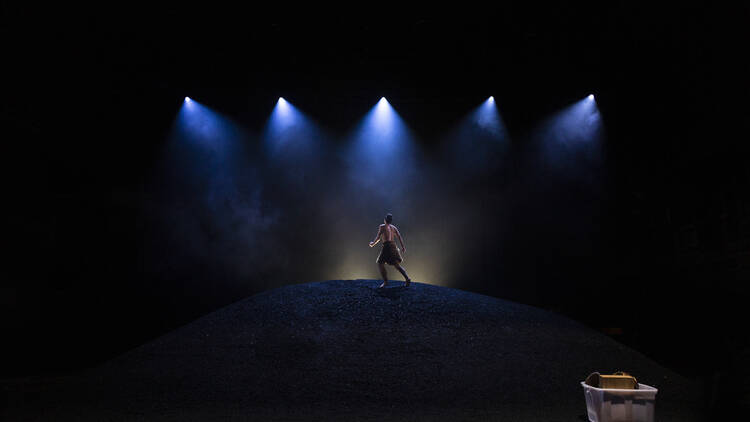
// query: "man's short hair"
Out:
[388,218]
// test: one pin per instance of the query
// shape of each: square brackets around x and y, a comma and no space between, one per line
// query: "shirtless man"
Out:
[389,254]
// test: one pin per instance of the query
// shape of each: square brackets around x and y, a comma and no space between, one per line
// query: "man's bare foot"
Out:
[383,285]
[408,282]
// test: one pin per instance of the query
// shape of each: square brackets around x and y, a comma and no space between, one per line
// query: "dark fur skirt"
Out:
[389,254]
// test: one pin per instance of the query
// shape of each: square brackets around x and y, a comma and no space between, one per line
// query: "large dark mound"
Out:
[344,350]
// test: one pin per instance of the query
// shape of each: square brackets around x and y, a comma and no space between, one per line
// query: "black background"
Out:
[91,95]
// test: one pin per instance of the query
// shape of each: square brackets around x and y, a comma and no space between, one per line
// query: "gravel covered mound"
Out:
[345,350]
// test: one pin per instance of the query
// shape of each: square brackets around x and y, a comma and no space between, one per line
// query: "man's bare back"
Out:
[388,232]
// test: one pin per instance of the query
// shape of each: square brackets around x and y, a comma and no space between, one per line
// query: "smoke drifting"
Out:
[296,204]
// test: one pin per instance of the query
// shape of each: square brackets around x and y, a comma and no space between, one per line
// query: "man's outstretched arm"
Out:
[377,237]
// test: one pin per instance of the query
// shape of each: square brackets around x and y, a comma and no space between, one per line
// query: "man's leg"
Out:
[383,274]
[403,272]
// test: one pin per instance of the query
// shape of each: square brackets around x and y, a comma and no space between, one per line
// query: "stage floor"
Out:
[345,350]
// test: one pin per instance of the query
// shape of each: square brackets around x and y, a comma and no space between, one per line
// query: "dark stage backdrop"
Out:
[134,213]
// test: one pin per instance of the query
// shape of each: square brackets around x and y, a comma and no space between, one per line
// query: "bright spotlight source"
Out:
[187,99]
[383,113]
[491,99]
[591,96]
[283,107]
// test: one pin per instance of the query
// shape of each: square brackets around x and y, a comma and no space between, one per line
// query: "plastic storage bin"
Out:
[615,405]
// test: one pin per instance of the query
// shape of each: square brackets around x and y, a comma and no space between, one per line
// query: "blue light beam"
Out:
[382,149]
[382,132]
[289,134]
[202,127]
[206,150]
[382,141]
[480,141]
[571,141]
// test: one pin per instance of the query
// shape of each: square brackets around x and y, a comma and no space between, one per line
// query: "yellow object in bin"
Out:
[618,381]
[618,398]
